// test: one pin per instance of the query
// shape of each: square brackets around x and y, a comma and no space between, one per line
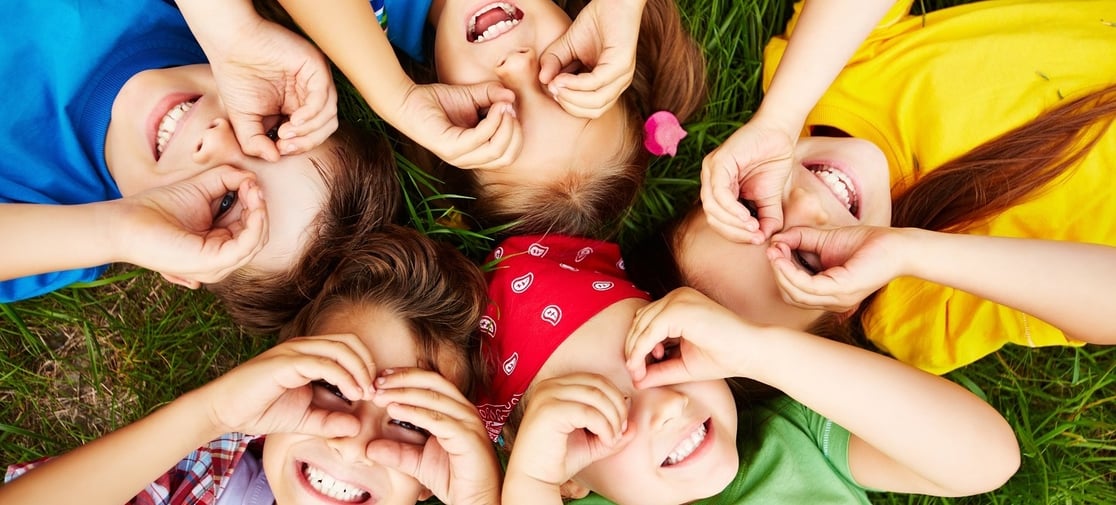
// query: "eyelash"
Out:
[331,389]
[408,426]
[797,256]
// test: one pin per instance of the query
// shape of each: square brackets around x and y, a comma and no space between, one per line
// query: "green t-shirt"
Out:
[798,456]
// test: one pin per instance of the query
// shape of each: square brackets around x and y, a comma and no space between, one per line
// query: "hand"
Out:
[173,229]
[457,463]
[569,422]
[446,120]
[753,164]
[267,71]
[602,38]
[271,393]
[851,264]
[686,337]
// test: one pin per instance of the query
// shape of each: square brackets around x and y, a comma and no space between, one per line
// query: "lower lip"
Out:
[159,112]
[301,477]
[701,449]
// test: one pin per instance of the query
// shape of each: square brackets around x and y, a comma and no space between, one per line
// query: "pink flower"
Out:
[662,132]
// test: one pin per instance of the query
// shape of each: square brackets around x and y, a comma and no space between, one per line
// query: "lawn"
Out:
[88,359]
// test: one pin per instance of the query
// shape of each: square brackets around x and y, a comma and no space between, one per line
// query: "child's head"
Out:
[562,305]
[573,175]
[414,303]
[834,182]
[169,124]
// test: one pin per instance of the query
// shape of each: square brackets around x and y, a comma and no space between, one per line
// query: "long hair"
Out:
[591,201]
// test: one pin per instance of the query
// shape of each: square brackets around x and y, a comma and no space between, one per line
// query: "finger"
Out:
[487,94]
[454,435]
[599,402]
[333,361]
[495,140]
[253,139]
[307,141]
[558,55]
[447,406]
[411,377]
[363,367]
[770,212]
[246,240]
[404,457]
[317,102]
[662,373]
[307,128]
[720,192]
[801,289]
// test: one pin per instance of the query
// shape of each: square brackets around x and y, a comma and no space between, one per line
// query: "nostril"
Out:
[198,148]
[522,50]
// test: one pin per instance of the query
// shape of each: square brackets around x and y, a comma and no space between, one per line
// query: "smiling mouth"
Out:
[687,446]
[326,485]
[840,185]
[169,124]
[492,21]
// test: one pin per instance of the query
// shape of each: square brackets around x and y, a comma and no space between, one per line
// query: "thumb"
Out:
[328,424]
[558,55]
[253,139]
[671,371]
[486,94]
[406,458]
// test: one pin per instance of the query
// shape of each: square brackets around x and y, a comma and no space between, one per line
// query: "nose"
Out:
[218,145]
[354,449]
[659,406]
[803,207]
[519,72]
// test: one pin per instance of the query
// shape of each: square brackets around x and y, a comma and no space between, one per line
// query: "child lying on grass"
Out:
[639,411]
[371,409]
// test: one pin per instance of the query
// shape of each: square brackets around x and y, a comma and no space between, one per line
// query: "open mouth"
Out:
[325,485]
[688,446]
[492,21]
[169,123]
[840,185]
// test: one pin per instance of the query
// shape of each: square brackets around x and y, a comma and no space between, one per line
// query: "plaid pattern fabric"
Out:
[196,480]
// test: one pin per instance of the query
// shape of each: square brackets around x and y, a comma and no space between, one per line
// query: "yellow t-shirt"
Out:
[927,89]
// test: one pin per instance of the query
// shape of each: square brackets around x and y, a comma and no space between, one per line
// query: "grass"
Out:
[88,359]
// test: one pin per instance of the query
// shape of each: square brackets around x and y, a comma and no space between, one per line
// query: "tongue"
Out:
[489,18]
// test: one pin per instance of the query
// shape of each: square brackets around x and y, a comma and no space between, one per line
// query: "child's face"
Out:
[146,148]
[307,469]
[668,422]
[554,142]
[739,276]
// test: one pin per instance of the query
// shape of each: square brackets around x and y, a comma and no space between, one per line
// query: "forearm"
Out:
[50,238]
[951,440]
[113,468]
[348,32]
[1067,284]
[827,34]
[212,31]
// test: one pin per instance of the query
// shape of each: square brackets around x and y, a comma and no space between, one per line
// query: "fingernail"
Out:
[286,134]
[387,371]
[624,427]
[510,110]
[553,89]
[288,149]
[380,381]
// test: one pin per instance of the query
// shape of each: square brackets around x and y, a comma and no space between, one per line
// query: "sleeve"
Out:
[831,438]
[22,288]
[195,480]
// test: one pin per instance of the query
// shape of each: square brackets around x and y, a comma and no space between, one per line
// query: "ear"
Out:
[573,490]
[186,283]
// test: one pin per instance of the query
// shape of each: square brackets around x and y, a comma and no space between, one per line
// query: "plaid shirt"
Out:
[197,479]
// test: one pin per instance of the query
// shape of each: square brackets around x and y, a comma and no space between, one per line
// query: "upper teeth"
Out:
[333,488]
[838,183]
[686,447]
[496,29]
[169,123]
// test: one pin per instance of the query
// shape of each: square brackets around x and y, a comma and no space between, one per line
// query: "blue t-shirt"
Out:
[405,23]
[64,62]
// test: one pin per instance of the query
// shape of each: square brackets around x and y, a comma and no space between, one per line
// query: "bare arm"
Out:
[1067,284]
[912,431]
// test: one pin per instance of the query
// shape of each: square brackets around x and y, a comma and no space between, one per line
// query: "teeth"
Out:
[686,447]
[333,488]
[496,29]
[838,183]
[169,123]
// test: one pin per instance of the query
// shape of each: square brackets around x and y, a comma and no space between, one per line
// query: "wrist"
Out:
[779,117]
[916,249]
[215,33]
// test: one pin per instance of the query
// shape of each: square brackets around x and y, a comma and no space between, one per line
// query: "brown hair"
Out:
[430,285]
[591,201]
[363,196]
